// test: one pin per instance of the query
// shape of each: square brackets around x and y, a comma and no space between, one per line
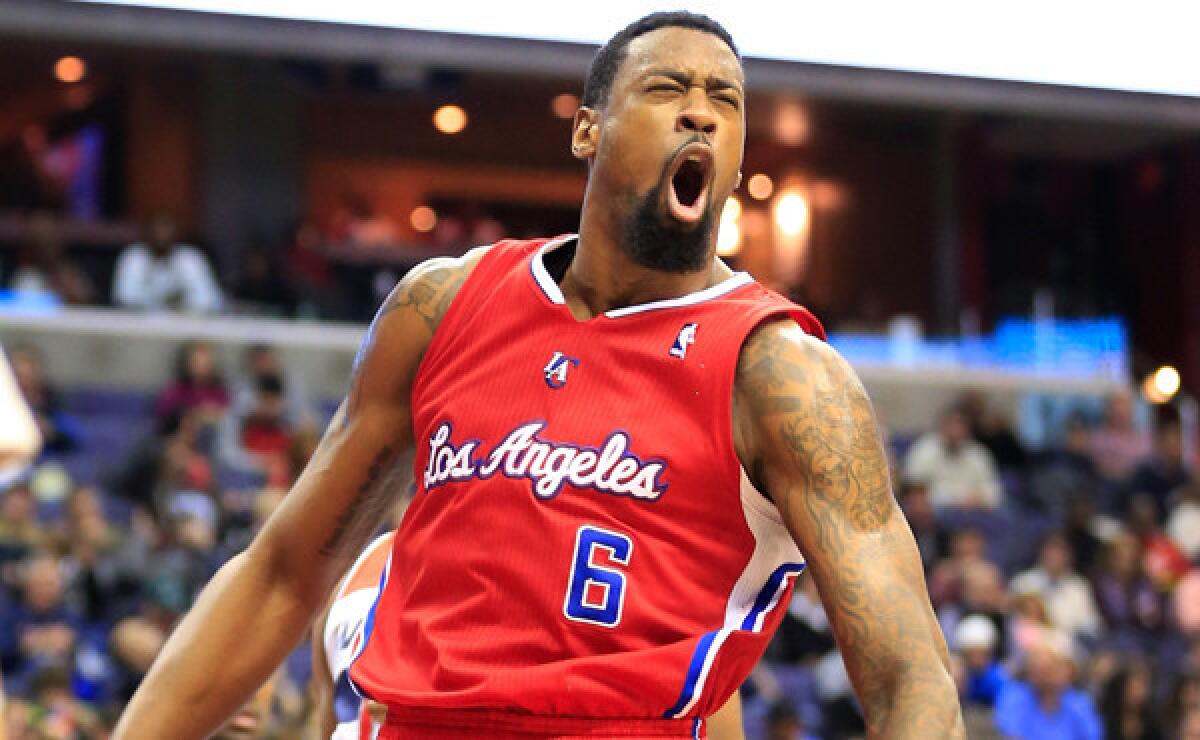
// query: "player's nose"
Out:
[696,116]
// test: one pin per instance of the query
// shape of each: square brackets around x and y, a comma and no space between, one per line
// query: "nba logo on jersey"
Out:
[556,369]
[687,336]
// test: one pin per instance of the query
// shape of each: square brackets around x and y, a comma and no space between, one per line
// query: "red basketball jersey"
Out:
[583,541]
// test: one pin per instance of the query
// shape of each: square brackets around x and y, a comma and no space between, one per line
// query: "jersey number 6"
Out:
[596,593]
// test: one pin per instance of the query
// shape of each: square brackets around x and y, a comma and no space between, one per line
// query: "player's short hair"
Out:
[604,66]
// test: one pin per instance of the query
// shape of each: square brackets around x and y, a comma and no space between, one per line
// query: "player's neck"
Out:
[602,277]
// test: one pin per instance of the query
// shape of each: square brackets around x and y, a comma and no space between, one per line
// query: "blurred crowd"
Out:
[1065,578]
[102,550]
[340,270]
[1066,581]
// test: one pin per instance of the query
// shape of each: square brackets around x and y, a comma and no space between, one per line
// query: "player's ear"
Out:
[585,133]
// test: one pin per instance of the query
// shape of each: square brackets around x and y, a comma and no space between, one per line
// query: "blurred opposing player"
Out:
[622,448]
[337,639]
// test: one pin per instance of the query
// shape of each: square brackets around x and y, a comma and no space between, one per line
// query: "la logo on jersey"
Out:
[686,338]
[556,369]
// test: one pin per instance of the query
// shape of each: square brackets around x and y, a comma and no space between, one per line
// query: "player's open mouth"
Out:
[691,173]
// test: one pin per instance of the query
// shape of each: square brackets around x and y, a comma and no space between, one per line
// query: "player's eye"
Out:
[673,87]
[729,100]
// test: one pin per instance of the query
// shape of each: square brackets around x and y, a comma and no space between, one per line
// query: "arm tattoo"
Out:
[818,447]
[428,290]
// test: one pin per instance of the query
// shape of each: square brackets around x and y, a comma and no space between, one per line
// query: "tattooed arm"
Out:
[258,605]
[806,433]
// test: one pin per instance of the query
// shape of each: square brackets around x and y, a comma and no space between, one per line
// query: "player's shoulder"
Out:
[428,290]
[782,353]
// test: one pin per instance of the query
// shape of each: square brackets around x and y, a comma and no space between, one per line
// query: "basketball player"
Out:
[337,638]
[622,449]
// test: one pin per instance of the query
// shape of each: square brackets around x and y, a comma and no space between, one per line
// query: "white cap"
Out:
[976,631]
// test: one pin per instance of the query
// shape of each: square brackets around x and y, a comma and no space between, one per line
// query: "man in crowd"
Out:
[161,274]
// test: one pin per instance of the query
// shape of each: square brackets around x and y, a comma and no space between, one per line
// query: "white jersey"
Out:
[350,617]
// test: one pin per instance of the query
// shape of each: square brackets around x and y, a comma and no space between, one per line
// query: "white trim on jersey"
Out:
[755,593]
[555,294]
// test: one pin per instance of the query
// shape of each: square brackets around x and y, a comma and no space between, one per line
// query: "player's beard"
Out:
[655,240]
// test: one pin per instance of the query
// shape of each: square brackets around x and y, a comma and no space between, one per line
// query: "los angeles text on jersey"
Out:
[611,468]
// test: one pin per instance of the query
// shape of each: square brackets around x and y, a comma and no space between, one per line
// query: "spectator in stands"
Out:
[1067,595]
[188,557]
[1186,601]
[1085,545]
[311,273]
[1126,705]
[1043,705]
[262,361]
[1162,560]
[991,429]
[60,432]
[173,459]
[1184,699]
[41,630]
[161,274]
[197,387]
[933,541]
[260,439]
[135,645]
[1131,606]
[975,641]
[54,712]
[967,547]
[20,531]
[1162,473]
[1189,726]
[1028,623]
[1117,444]
[44,266]
[958,470]
[1067,471]
[783,723]
[91,546]
[263,288]
[1183,523]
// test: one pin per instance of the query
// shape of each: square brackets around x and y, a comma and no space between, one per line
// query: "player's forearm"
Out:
[242,626]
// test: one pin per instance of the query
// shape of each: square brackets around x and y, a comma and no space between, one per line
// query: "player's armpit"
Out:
[807,433]
[726,722]
[259,604]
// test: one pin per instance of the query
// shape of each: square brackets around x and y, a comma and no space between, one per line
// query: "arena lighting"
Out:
[729,235]
[450,119]
[760,186]
[791,124]
[1161,385]
[70,69]
[423,218]
[565,105]
[791,213]
[945,37]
